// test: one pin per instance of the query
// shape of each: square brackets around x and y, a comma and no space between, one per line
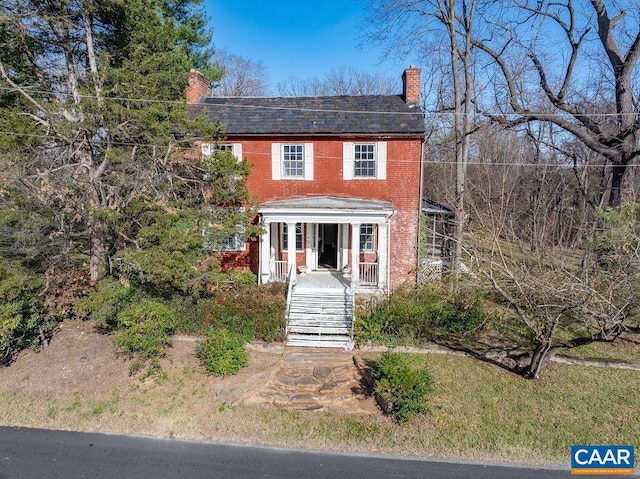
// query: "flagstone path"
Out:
[306,379]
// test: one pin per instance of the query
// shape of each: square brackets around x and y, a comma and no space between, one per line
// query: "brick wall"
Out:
[401,188]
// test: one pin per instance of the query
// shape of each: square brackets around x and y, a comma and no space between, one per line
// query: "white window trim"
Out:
[277,166]
[209,148]
[348,161]
[373,238]
[239,244]
[283,237]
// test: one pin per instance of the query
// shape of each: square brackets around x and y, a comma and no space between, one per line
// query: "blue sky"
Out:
[298,38]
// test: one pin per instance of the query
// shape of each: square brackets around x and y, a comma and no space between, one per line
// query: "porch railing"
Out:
[289,293]
[279,272]
[368,274]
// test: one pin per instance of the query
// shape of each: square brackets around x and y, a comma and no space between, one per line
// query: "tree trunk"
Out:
[98,253]
[537,360]
[616,198]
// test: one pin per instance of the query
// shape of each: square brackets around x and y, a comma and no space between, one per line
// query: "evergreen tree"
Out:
[95,143]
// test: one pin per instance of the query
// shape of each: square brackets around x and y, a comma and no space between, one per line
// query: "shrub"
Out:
[23,320]
[420,314]
[254,312]
[402,389]
[222,353]
[103,303]
[144,330]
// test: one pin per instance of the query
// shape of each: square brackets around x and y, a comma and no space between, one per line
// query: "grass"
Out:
[477,412]
[625,348]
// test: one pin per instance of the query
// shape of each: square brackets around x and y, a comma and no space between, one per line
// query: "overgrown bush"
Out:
[23,319]
[222,353]
[103,303]
[144,332]
[417,314]
[401,388]
[255,312]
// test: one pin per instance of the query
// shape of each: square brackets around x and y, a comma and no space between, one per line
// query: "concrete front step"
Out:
[310,320]
[321,322]
[310,311]
[317,330]
[320,318]
[319,341]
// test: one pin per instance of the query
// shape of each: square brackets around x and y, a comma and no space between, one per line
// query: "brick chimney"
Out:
[198,86]
[411,84]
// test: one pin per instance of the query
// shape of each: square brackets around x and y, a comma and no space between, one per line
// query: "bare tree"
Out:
[339,81]
[603,111]
[242,76]
[453,22]
[563,301]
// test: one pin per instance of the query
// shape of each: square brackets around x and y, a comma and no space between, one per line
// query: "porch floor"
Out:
[322,280]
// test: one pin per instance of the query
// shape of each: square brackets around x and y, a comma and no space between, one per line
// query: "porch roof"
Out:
[327,209]
[436,207]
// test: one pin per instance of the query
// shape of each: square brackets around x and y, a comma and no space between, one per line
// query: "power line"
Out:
[255,154]
[321,110]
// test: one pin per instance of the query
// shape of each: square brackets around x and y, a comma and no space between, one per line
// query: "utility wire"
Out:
[322,110]
[254,154]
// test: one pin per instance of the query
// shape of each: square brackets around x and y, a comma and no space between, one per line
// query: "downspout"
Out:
[260,246]
[421,192]
[389,255]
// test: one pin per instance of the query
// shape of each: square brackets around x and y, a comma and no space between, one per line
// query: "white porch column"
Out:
[355,252]
[291,250]
[344,246]
[265,253]
[383,260]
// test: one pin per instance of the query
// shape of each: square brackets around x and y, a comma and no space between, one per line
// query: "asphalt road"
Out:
[44,454]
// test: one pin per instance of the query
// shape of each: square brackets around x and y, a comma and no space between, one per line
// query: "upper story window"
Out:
[223,147]
[292,161]
[209,149]
[367,238]
[366,161]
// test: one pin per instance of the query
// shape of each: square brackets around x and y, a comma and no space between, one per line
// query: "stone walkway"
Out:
[306,379]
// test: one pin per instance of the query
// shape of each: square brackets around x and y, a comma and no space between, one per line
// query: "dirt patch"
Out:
[79,359]
[82,360]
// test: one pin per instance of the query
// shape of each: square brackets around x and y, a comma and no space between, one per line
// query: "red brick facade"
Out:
[401,188]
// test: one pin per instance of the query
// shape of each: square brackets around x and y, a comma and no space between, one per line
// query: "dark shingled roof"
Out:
[329,115]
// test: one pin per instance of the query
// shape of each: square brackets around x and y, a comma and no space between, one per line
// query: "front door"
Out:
[328,245]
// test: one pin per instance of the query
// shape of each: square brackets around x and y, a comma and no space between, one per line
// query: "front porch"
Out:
[345,236]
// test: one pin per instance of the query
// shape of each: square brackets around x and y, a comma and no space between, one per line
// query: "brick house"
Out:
[336,180]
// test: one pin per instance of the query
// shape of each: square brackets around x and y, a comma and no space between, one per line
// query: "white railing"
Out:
[289,293]
[368,273]
[279,272]
[352,298]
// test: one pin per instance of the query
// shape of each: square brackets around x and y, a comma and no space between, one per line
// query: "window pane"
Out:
[285,238]
[293,160]
[364,160]
[366,237]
